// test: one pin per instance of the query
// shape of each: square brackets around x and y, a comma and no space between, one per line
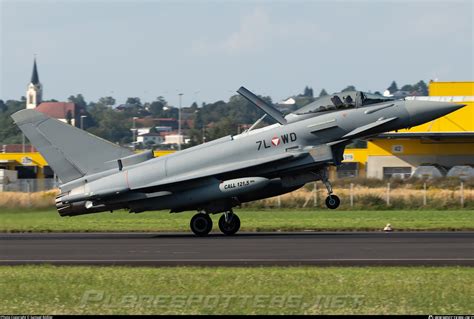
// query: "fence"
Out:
[29,185]
[437,194]
[389,196]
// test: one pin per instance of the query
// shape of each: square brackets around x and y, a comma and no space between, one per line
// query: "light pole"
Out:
[134,130]
[179,122]
[82,121]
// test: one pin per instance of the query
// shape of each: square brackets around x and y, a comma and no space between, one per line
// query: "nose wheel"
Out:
[201,224]
[229,223]
[332,202]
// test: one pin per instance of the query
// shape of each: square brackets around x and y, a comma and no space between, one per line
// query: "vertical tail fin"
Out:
[71,152]
[261,104]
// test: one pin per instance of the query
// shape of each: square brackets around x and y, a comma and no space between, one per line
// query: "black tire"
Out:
[201,224]
[332,202]
[230,227]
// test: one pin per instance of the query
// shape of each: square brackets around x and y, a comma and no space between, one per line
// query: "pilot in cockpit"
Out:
[348,101]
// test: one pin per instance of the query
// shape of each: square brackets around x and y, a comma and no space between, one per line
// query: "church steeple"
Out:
[34,92]
[34,76]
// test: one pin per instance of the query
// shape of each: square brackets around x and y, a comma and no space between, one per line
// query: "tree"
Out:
[421,88]
[78,100]
[195,137]
[323,93]
[9,132]
[407,87]
[109,124]
[156,107]
[169,111]
[393,87]
[222,128]
[107,100]
[134,107]
[349,88]
[3,106]
[134,101]
[308,92]
[194,107]
[69,117]
[198,119]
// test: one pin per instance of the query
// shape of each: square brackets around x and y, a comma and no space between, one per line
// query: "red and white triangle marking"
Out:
[275,141]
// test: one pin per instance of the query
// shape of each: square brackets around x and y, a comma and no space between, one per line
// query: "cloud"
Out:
[257,32]
[432,23]
[252,33]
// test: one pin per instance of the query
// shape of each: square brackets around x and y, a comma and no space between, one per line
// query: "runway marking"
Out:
[313,249]
[233,260]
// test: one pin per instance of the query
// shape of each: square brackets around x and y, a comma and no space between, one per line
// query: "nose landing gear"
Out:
[332,201]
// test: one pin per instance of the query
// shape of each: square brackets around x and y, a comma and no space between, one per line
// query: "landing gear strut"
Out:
[332,201]
[201,224]
[229,223]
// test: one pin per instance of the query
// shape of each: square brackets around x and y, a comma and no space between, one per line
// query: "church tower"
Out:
[35,90]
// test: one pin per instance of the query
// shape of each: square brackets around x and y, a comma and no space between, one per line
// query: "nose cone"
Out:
[424,111]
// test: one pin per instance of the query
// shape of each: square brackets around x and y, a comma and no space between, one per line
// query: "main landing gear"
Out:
[229,223]
[201,223]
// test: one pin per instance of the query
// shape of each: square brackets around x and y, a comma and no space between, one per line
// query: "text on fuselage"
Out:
[275,141]
[238,184]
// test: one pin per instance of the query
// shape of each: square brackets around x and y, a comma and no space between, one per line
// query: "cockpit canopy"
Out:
[342,100]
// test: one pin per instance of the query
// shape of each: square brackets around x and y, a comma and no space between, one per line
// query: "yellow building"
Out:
[28,165]
[444,142]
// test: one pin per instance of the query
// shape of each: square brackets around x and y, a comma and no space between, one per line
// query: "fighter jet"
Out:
[214,177]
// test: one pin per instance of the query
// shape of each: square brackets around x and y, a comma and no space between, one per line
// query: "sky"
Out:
[208,49]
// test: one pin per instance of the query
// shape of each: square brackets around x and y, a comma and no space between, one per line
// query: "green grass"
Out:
[251,220]
[262,290]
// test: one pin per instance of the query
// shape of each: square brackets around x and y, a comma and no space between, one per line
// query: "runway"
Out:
[244,249]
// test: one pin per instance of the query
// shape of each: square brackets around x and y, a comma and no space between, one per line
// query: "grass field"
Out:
[267,290]
[251,220]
